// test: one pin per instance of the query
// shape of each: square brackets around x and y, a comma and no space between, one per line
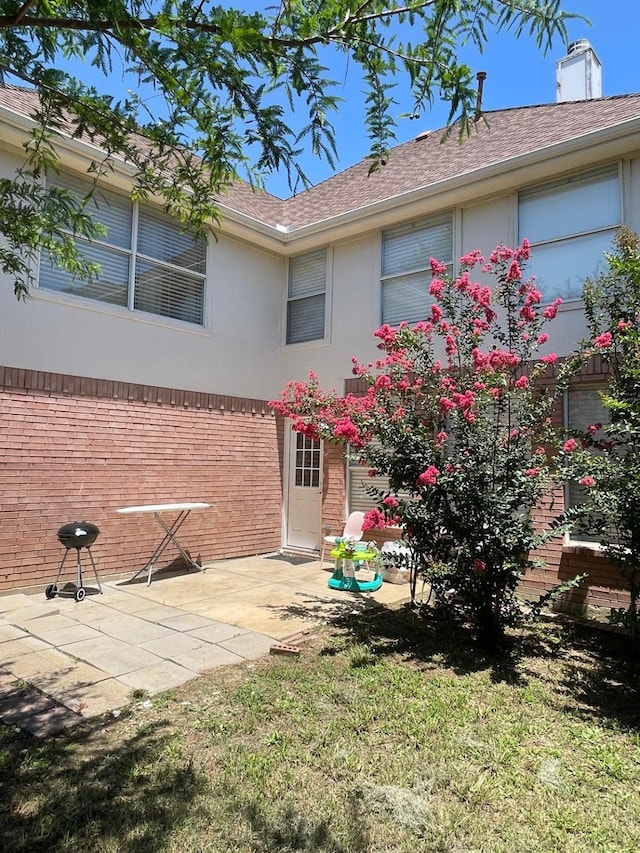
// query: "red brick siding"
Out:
[77,449]
[333,487]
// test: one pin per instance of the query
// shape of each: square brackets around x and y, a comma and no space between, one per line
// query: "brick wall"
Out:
[76,449]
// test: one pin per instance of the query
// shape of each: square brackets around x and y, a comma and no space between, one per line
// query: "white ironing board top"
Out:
[163,507]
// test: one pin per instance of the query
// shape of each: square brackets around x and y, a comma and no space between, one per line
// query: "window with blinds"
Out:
[570,224]
[358,480]
[406,272]
[583,408]
[147,262]
[306,297]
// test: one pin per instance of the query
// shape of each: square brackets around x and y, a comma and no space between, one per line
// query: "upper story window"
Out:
[570,224]
[306,297]
[406,273]
[147,263]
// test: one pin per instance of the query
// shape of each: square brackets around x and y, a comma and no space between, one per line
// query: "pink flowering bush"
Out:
[456,420]
[610,476]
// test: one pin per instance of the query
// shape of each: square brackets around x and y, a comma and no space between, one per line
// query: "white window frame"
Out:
[307,287]
[414,277]
[133,256]
[600,233]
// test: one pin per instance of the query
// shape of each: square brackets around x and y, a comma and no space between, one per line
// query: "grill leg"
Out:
[55,583]
[94,569]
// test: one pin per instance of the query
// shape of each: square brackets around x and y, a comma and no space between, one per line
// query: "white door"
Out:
[304,504]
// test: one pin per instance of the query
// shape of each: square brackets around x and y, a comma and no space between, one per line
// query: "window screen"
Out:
[164,275]
[406,272]
[570,224]
[306,297]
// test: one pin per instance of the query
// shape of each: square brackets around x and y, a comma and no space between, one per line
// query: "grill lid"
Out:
[78,534]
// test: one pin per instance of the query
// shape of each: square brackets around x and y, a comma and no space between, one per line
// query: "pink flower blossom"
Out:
[593,428]
[543,338]
[549,359]
[462,284]
[346,429]
[383,382]
[479,565]
[390,501]
[374,519]
[437,267]
[471,259]
[436,287]
[587,482]
[429,476]
[603,341]
[514,272]
[522,382]
[442,437]
[527,313]
[373,472]
[386,334]
[532,472]
[570,445]
[524,250]
[501,253]
[551,310]
[446,405]
[623,324]
[436,313]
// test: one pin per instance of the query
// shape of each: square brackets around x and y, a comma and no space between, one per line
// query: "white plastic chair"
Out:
[352,528]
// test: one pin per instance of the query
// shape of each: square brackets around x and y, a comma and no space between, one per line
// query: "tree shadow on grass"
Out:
[289,830]
[419,635]
[126,796]
[601,675]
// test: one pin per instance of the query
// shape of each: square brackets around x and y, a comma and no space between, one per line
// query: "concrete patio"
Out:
[62,660]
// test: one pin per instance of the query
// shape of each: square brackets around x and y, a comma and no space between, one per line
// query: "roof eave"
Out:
[578,152]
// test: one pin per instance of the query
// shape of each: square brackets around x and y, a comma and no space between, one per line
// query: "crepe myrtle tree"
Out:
[194,95]
[456,419]
[605,458]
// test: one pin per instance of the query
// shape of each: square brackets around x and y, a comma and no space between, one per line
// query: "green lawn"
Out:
[388,734]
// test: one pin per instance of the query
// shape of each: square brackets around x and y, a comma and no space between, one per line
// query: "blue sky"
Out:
[517,75]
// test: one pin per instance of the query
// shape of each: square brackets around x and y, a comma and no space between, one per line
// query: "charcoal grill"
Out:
[78,535]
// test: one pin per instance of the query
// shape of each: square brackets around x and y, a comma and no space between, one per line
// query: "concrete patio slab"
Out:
[13,602]
[154,679]
[112,656]
[11,632]
[63,677]
[18,703]
[89,656]
[92,700]
[123,626]
[12,650]
[216,632]
[249,645]
[185,622]
[51,721]
[191,653]
[73,634]
[157,613]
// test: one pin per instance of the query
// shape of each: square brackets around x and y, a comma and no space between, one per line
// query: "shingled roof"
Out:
[500,137]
